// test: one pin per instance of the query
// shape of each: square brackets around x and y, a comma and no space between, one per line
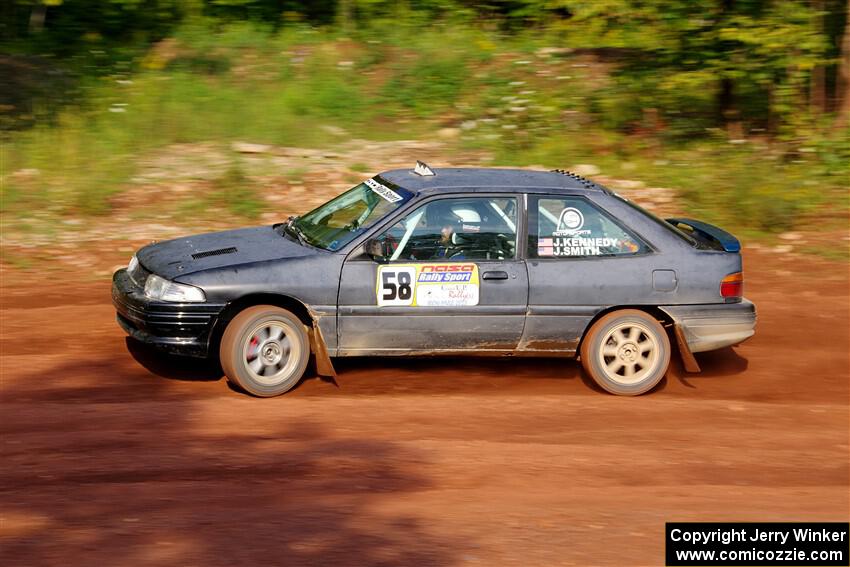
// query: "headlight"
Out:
[165,290]
[134,263]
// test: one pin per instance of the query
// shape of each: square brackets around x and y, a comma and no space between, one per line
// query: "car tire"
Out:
[626,352]
[264,350]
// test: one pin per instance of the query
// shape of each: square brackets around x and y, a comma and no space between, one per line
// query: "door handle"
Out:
[497,275]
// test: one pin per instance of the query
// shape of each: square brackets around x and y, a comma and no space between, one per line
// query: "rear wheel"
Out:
[626,352]
[265,350]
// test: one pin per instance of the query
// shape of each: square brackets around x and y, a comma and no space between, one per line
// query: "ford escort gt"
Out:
[445,261]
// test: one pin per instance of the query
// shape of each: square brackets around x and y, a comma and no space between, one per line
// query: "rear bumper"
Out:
[713,326]
[179,328]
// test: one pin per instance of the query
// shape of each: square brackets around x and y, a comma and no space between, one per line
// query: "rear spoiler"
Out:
[709,234]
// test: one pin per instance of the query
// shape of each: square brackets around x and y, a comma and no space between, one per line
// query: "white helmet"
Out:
[466,214]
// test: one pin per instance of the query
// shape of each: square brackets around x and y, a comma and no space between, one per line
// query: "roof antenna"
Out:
[423,169]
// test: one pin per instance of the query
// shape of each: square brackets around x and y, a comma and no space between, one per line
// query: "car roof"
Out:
[449,179]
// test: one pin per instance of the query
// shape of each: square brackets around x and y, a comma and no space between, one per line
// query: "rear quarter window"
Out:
[666,226]
[573,227]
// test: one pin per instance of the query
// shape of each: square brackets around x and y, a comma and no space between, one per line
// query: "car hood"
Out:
[174,258]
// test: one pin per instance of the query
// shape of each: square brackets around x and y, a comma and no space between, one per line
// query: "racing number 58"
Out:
[391,290]
[395,285]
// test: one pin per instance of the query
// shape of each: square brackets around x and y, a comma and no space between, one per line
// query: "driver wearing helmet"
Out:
[454,220]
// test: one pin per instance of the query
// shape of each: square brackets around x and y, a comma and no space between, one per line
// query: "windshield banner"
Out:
[427,285]
[383,191]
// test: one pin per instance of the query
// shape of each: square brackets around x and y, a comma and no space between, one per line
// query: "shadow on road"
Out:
[722,362]
[439,374]
[171,366]
[165,480]
[530,375]
[716,364]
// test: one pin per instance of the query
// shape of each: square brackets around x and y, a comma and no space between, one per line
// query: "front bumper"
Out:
[179,328]
[713,326]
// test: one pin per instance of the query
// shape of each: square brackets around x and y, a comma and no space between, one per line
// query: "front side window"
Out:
[469,228]
[569,227]
[340,220]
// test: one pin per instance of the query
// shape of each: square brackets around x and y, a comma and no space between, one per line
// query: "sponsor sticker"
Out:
[571,239]
[427,285]
[570,223]
[577,246]
[383,191]
[570,219]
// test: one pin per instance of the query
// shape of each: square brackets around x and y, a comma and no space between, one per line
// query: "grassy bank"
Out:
[526,100]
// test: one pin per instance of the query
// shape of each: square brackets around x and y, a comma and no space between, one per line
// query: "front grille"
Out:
[219,252]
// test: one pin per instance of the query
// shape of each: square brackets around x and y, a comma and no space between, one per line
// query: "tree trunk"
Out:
[9,16]
[727,111]
[39,11]
[771,118]
[817,90]
[344,15]
[842,119]
[817,82]
[727,114]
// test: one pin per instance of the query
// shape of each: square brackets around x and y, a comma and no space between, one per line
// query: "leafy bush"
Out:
[528,99]
[235,191]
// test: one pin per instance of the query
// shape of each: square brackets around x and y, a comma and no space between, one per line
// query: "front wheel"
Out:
[626,352]
[265,350]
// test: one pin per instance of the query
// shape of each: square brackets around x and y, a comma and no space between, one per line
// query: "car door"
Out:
[580,261]
[451,281]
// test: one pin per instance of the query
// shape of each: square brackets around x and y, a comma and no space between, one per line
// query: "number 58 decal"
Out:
[438,284]
[395,285]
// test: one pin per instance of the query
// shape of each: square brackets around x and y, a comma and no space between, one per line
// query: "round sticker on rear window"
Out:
[571,219]
[570,223]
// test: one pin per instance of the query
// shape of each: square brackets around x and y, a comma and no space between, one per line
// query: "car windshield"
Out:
[336,223]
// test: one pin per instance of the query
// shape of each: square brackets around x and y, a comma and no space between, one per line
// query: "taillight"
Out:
[732,285]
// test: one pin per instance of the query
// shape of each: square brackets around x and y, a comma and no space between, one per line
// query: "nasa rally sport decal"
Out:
[428,285]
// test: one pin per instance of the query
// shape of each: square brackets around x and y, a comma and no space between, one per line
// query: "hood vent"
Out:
[219,252]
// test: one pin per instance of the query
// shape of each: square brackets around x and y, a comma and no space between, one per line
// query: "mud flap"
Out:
[324,366]
[690,363]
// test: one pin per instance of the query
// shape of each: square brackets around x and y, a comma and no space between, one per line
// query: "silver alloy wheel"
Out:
[270,353]
[629,353]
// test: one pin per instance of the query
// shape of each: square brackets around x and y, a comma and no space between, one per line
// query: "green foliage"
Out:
[534,82]
[70,28]
[359,167]
[76,166]
[428,85]
[235,191]
[675,55]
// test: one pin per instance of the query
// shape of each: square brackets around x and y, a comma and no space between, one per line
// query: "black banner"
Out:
[757,543]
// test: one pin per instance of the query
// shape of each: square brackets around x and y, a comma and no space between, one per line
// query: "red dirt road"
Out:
[117,457]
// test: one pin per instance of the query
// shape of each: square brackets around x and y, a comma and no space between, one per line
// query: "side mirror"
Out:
[377,249]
